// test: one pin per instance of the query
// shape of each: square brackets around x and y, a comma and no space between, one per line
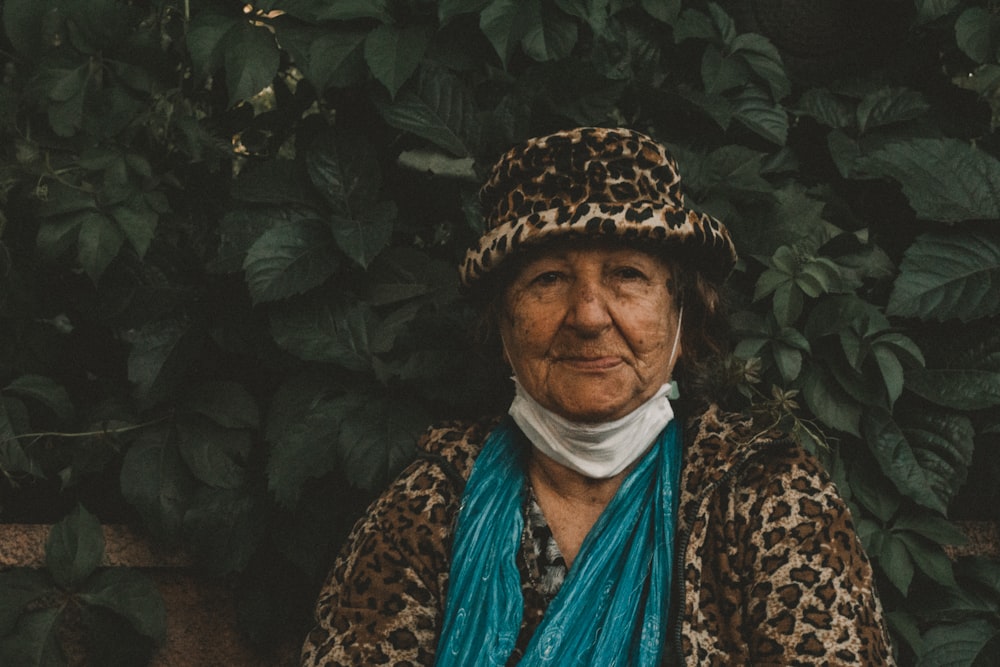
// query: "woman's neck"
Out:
[570,502]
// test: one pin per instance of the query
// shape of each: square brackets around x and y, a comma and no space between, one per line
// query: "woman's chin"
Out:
[594,409]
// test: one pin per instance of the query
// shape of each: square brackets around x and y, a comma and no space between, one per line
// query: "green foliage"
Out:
[122,611]
[229,303]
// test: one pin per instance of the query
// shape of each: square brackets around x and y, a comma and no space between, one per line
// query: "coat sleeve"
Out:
[383,600]
[812,597]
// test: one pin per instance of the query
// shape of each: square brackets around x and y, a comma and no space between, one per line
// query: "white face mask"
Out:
[599,451]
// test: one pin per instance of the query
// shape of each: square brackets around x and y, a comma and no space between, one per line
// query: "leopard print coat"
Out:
[769,572]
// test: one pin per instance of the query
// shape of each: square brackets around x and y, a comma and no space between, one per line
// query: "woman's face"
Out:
[589,330]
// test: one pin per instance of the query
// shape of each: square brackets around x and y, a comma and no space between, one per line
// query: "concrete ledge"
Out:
[23,545]
[984,540]
[201,611]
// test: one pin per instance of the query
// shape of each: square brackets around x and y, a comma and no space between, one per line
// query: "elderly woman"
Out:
[594,525]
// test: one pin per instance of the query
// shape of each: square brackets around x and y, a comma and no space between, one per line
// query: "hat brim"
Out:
[694,238]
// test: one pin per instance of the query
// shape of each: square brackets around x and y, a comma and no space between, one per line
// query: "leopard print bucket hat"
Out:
[590,182]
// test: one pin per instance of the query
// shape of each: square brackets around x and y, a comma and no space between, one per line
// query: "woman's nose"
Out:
[588,308]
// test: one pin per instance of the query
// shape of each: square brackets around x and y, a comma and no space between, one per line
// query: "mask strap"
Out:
[677,338]
[674,391]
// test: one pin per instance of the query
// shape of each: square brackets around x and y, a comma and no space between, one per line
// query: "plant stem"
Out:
[84,434]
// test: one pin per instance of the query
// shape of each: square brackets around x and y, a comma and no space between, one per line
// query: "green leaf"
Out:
[240,228]
[825,107]
[892,372]
[344,169]
[449,9]
[787,303]
[378,439]
[20,587]
[929,558]
[65,90]
[155,481]
[549,36]
[693,24]
[111,639]
[973,642]
[796,219]
[828,400]
[965,371]
[943,179]
[331,56]
[754,109]
[228,404]
[666,11]
[348,10]
[35,642]
[946,276]
[206,41]
[769,281]
[74,548]
[59,199]
[868,486]
[393,52]
[720,73]
[321,328]
[57,236]
[735,169]
[13,458]
[66,84]
[957,388]
[929,10]
[303,446]
[46,391]
[723,22]
[138,221]
[934,528]
[594,12]
[764,60]
[139,164]
[897,459]
[439,109]
[99,241]
[364,237]
[943,444]
[789,362]
[290,259]
[505,22]
[890,105]
[24,21]
[337,58]
[252,60]
[983,572]
[160,355]
[976,33]
[217,456]
[902,347]
[131,595]
[895,560]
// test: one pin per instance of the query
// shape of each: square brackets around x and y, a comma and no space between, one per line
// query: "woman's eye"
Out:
[546,278]
[630,273]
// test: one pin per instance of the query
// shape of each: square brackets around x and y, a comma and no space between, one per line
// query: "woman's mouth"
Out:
[597,363]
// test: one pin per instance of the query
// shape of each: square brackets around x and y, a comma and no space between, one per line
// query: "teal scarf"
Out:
[612,609]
